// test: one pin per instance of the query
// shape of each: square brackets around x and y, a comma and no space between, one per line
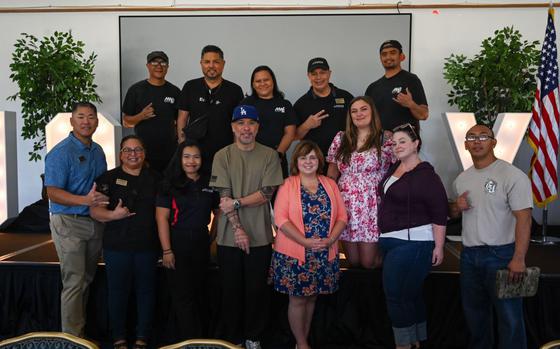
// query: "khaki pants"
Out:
[78,241]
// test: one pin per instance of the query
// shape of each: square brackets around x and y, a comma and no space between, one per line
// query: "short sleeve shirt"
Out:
[336,105]
[274,115]
[138,194]
[159,132]
[73,166]
[217,105]
[494,192]
[245,172]
[382,92]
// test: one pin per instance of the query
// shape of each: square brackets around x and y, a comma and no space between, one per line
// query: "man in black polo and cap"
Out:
[150,106]
[398,95]
[322,110]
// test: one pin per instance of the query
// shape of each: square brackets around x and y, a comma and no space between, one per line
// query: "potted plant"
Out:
[500,78]
[51,74]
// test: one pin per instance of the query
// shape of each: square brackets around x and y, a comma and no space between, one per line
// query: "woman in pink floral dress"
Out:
[359,160]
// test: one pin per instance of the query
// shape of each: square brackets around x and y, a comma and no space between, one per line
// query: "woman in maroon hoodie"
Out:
[412,221]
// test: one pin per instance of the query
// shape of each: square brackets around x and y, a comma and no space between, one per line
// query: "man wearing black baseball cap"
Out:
[398,95]
[321,112]
[150,106]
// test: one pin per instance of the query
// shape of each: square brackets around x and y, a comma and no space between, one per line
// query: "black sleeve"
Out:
[369,91]
[163,201]
[239,94]
[129,105]
[183,103]
[215,200]
[291,118]
[417,90]
[300,118]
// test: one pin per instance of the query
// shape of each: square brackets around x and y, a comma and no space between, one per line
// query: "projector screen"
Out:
[349,42]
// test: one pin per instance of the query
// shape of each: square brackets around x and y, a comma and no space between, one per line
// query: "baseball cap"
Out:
[317,62]
[245,112]
[390,44]
[157,54]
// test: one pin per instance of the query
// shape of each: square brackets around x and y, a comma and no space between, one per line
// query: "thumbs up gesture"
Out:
[463,202]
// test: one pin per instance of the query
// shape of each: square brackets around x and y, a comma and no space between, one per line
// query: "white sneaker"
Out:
[252,344]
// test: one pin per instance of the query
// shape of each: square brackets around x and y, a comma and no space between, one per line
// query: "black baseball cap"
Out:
[317,62]
[157,54]
[390,44]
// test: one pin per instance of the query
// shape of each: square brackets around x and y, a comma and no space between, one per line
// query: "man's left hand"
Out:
[404,99]
[516,270]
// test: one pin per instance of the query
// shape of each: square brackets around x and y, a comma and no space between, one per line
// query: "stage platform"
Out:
[354,317]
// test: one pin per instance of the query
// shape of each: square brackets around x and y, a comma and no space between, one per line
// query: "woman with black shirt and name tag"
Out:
[130,248]
[184,204]
[277,118]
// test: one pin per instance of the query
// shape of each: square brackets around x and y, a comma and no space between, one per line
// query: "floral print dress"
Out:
[317,275]
[358,183]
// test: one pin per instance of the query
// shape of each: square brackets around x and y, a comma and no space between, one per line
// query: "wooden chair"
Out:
[47,340]
[202,344]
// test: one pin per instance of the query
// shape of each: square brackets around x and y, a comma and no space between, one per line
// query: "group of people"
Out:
[355,176]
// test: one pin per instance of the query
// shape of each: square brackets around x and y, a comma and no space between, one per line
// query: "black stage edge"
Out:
[354,317]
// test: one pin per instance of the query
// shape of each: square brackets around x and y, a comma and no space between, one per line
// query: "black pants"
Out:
[187,284]
[245,292]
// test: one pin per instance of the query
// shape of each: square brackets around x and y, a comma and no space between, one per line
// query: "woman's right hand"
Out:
[315,244]
[169,260]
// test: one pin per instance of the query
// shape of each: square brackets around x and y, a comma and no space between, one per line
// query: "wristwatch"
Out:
[236,204]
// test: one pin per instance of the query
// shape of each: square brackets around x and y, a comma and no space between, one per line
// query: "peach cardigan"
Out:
[287,207]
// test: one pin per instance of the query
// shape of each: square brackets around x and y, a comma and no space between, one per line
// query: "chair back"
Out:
[202,344]
[39,340]
[551,345]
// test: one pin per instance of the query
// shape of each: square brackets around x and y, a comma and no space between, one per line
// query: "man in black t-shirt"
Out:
[321,112]
[398,95]
[150,106]
[206,105]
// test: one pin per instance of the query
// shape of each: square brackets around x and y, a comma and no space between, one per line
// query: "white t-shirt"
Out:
[494,192]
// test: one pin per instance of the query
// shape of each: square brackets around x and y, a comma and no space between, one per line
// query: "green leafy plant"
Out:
[51,75]
[500,78]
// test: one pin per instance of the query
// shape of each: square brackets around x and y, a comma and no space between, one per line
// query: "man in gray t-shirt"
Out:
[246,174]
[494,198]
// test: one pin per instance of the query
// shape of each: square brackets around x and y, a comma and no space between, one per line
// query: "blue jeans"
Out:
[405,266]
[478,292]
[127,269]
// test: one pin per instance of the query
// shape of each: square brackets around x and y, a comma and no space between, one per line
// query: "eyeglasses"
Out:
[404,127]
[132,150]
[480,138]
[160,63]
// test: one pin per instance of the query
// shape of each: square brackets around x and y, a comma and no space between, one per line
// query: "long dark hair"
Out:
[349,141]
[275,90]
[174,177]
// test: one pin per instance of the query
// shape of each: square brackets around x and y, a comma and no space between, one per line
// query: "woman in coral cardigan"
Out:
[310,214]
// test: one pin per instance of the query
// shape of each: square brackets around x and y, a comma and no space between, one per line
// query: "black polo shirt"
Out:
[159,132]
[138,194]
[382,92]
[217,104]
[190,208]
[336,105]
[274,115]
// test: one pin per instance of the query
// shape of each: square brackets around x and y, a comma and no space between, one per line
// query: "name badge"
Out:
[339,100]
[122,182]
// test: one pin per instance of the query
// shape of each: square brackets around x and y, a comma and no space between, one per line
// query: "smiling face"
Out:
[308,164]
[132,154]
[157,69]
[245,130]
[212,65]
[361,114]
[404,146]
[84,122]
[319,79]
[191,161]
[263,84]
[391,58]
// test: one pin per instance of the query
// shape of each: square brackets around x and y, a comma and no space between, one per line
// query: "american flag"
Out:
[543,131]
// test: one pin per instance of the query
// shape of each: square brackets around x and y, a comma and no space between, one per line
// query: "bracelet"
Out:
[168,252]
[168,249]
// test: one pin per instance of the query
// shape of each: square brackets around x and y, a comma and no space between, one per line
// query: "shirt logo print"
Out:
[280,110]
[170,100]
[490,186]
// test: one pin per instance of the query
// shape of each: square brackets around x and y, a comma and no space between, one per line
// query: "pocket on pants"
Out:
[504,252]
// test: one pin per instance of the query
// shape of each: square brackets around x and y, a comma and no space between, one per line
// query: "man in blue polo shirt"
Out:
[70,169]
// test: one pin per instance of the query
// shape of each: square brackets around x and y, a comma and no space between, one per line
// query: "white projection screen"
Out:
[349,42]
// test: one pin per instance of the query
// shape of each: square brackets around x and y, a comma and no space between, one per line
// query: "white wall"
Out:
[436,33]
